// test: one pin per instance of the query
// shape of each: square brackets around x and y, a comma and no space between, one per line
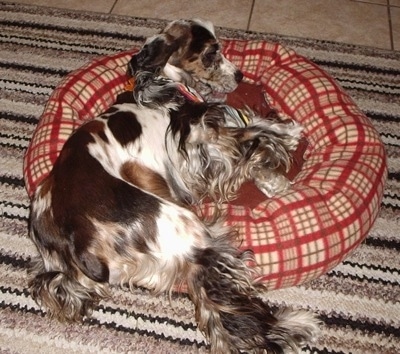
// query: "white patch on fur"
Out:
[173,73]
[41,203]
[292,128]
[179,230]
[148,149]
[228,78]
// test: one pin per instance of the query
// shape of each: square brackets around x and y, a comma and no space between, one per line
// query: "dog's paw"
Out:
[272,183]
[294,132]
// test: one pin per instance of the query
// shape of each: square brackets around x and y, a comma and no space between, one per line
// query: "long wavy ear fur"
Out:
[153,56]
[158,49]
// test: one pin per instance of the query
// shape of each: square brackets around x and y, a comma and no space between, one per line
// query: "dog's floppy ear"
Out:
[153,56]
[158,49]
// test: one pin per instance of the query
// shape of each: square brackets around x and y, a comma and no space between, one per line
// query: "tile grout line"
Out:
[391,39]
[112,7]
[250,15]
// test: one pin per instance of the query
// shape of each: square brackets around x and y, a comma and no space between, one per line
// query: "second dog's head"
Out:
[189,52]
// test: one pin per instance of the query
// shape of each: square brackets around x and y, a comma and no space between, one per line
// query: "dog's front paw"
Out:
[271,183]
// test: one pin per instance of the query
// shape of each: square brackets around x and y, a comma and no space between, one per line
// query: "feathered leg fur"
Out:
[229,310]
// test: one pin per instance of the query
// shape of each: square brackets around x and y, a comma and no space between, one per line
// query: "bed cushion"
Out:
[338,185]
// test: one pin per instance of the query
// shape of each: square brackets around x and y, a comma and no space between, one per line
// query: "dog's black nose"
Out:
[238,76]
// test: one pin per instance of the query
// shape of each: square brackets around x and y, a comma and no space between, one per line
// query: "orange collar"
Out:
[130,85]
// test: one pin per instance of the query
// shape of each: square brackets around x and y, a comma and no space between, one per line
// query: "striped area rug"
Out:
[358,301]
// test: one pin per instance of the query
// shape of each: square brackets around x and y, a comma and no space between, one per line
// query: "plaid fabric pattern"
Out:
[335,198]
[82,95]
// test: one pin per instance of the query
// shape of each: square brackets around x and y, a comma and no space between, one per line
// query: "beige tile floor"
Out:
[373,23]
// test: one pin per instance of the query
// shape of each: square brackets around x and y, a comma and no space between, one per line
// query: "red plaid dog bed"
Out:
[336,195]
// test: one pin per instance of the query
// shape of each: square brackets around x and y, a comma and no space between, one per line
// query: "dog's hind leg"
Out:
[228,309]
[66,284]
[219,279]
[60,286]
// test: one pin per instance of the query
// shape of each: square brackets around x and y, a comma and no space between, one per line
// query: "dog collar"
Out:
[130,85]
[238,117]
[190,93]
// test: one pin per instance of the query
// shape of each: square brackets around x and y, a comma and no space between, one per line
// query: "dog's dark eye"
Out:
[210,57]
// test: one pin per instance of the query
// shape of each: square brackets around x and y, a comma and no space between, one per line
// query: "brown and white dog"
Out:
[115,209]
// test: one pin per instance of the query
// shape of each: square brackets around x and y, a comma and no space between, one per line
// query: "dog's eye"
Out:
[210,57]
[211,54]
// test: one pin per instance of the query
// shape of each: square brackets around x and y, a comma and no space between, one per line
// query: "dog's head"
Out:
[189,52]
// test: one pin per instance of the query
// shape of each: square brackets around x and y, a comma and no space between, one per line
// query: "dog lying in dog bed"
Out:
[295,236]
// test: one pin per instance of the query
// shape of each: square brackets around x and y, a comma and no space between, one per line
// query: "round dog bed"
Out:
[336,195]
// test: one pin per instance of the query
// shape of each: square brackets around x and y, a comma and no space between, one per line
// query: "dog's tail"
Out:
[229,311]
